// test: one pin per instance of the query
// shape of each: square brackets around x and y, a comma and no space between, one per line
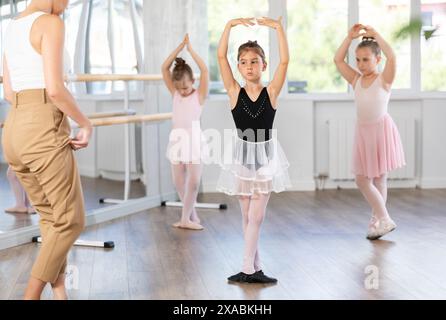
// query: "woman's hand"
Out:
[268,22]
[355,31]
[82,138]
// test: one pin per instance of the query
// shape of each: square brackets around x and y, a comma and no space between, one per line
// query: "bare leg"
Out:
[58,287]
[34,289]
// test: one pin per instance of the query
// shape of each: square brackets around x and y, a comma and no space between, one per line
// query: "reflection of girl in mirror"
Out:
[22,204]
[185,155]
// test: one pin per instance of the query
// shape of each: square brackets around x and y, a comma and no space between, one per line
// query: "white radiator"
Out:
[341,132]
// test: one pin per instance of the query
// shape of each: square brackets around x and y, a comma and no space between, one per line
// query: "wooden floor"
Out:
[93,188]
[313,242]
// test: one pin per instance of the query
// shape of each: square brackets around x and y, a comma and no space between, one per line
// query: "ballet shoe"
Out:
[256,277]
[263,278]
[31,210]
[188,225]
[380,228]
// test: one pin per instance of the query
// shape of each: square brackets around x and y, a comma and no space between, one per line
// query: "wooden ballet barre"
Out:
[86,77]
[102,115]
[112,77]
[109,114]
[111,121]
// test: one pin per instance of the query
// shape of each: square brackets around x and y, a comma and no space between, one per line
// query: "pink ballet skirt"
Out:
[377,148]
[187,147]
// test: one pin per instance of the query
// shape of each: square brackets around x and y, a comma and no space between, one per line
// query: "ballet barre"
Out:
[109,114]
[87,77]
[111,121]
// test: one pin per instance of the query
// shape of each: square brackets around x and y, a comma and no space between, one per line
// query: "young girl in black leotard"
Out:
[254,164]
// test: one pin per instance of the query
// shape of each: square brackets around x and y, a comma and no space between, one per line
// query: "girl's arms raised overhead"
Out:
[229,82]
[279,78]
[204,73]
[347,72]
[165,69]
[389,71]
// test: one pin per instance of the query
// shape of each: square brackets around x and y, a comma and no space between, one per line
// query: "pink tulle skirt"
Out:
[377,148]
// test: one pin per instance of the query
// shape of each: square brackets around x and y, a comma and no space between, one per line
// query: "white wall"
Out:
[433,151]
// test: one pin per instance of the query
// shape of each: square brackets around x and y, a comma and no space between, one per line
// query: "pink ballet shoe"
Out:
[188,225]
[380,228]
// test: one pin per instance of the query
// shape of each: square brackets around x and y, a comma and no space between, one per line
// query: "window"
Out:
[387,17]
[126,61]
[219,13]
[71,18]
[316,28]
[98,47]
[433,50]
[104,53]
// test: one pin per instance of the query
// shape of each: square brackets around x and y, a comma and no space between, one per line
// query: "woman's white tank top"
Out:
[24,63]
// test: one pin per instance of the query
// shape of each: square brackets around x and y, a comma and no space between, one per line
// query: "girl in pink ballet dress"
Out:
[377,148]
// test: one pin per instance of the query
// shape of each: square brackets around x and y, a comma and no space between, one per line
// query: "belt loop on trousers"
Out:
[15,99]
[44,96]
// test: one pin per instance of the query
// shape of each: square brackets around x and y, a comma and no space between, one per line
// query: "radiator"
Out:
[341,132]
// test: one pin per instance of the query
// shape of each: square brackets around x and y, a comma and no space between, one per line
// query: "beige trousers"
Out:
[36,146]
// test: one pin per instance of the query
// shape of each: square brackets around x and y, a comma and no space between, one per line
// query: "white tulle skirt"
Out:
[253,167]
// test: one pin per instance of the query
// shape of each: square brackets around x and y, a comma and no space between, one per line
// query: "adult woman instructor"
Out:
[36,137]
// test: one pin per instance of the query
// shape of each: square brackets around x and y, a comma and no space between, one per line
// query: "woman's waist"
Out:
[30,97]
